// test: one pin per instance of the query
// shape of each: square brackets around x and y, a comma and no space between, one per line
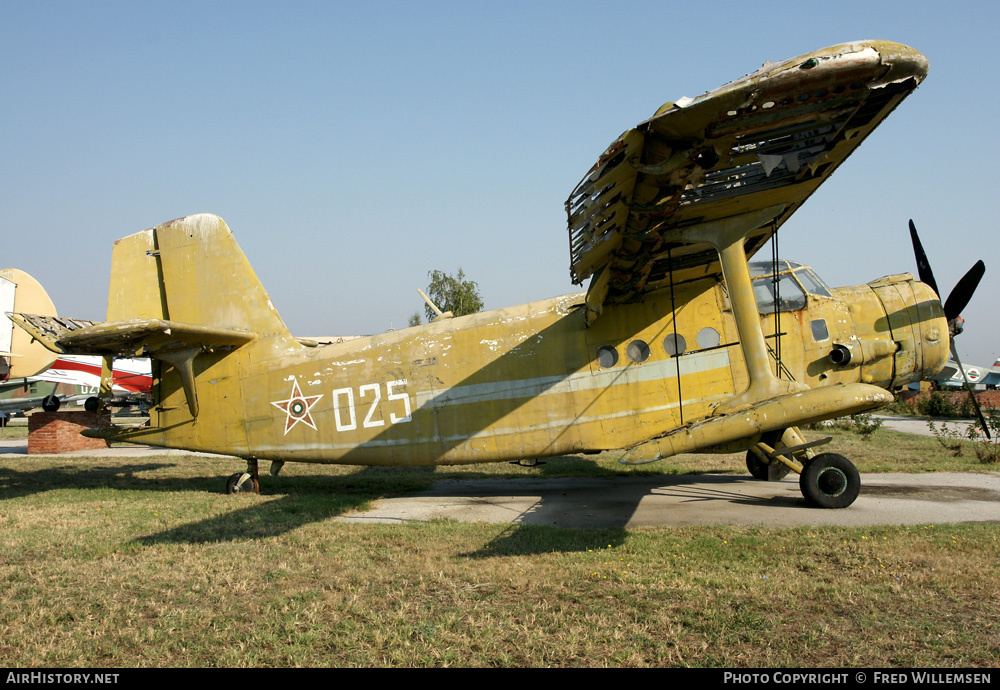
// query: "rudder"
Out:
[190,270]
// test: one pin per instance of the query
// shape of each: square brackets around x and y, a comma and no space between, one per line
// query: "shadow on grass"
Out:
[18,483]
[529,540]
[564,518]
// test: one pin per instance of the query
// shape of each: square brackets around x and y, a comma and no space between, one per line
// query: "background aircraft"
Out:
[27,368]
[77,379]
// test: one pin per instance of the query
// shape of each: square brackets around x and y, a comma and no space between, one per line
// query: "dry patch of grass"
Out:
[143,562]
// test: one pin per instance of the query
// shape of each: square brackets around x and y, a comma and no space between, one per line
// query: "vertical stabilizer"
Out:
[190,270]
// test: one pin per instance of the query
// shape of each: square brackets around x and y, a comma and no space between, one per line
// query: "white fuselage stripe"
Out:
[577,381]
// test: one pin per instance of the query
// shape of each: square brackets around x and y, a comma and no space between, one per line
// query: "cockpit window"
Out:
[790,296]
[763,268]
[794,281]
[811,282]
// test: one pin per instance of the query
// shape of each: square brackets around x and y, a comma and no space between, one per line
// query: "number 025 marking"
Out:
[371,394]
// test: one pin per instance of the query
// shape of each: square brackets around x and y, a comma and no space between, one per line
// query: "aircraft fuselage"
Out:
[532,381]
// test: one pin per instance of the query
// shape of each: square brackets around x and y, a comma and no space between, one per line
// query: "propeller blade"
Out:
[975,403]
[923,265]
[962,292]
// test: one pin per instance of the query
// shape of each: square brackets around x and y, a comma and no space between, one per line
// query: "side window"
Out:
[819,330]
[674,345]
[607,356]
[637,351]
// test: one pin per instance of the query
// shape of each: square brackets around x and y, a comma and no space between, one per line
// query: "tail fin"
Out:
[20,355]
[179,291]
[191,271]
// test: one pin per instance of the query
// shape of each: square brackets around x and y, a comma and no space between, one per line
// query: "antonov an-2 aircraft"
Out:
[678,344]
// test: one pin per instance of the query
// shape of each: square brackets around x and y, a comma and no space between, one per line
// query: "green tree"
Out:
[414,319]
[452,293]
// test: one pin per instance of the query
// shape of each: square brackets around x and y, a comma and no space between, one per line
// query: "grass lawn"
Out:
[142,561]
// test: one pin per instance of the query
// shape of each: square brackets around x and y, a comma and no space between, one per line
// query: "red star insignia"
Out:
[297,407]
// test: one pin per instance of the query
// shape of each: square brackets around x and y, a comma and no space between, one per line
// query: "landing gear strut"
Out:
[826,480]
[760,466]
[244,482]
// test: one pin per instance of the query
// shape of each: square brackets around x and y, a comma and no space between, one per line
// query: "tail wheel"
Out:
[238,485]
[830,481]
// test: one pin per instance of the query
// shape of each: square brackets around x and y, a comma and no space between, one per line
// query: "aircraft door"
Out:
[662,371]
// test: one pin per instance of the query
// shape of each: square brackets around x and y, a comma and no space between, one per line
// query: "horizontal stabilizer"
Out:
[127,338]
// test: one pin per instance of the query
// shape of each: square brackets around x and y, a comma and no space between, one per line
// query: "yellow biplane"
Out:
[678,344]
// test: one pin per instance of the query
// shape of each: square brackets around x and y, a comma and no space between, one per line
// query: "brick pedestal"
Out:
[59,432]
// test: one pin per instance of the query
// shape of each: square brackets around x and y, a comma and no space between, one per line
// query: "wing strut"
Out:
[776,284]
[727,236]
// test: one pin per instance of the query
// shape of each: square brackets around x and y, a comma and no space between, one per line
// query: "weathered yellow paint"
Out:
[666,352]
[769,138]
[500,385]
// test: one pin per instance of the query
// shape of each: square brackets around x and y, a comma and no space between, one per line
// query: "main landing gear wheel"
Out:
[764,471]
[50,403]
[760,468]
[830,481]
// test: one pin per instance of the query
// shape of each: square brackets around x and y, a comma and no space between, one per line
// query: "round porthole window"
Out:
[674,345]
[637,351]
[708,337]
[607,356]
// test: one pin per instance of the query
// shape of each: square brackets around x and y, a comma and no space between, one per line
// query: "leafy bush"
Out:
[987,450]
[863,424]
[937,405]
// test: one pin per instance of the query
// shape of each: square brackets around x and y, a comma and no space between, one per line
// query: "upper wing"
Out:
[768,139]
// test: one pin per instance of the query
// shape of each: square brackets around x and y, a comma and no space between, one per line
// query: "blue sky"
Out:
[353,147]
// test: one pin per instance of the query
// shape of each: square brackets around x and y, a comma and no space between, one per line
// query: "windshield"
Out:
[794,281]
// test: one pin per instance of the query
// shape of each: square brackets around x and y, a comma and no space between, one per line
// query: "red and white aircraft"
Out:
[81,379]
[24,363]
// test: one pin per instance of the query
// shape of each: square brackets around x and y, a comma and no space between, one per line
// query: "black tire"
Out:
[760,469]
[92,404]
[234,479]
[830,481]
[50,403]
[766,472]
